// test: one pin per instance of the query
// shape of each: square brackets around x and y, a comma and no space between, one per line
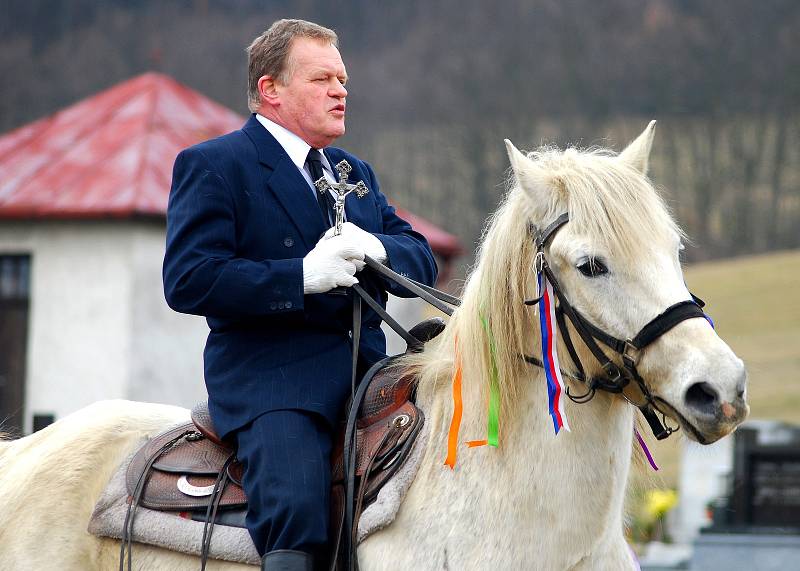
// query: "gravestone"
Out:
[756,523]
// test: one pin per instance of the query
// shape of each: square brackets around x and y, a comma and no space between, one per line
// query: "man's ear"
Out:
[268,89]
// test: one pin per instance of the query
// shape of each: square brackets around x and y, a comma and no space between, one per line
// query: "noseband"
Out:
[616,378]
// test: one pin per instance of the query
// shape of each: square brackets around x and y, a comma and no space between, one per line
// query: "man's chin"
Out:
[333,134]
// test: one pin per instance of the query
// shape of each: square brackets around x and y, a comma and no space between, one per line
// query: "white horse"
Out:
[538,500]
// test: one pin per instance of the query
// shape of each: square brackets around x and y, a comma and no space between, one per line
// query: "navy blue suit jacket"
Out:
[241,217]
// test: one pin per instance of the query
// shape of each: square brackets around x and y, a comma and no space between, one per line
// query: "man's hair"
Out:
[268,54]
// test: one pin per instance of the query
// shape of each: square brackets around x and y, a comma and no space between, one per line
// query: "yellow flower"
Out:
[659,502]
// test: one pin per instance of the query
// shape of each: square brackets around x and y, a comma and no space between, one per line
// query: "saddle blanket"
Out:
[171,531]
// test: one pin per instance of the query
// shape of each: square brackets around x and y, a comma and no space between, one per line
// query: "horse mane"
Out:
[5,440]
[4,435]
[609,203]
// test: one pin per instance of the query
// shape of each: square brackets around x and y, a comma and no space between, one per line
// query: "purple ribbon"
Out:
[646,451]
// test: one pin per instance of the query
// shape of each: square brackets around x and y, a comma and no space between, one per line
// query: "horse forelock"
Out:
[610,203]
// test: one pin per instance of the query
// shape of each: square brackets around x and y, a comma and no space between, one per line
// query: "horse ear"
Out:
[527,173]
[637,154]
[515,157]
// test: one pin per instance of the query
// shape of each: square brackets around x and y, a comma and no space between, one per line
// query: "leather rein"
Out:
[616,378]
[436,298]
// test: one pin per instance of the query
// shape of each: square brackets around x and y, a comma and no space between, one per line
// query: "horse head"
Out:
[617,263]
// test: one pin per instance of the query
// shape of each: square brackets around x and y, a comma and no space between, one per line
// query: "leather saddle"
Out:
[190,469]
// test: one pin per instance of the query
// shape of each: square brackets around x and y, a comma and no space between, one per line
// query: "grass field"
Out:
[755,304]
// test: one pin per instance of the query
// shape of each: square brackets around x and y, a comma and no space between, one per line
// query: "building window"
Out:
[15,271]
[15,286]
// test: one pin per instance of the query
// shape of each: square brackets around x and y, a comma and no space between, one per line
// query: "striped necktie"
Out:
[325,200]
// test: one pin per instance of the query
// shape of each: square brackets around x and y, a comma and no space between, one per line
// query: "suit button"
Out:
[273,305]
[280,305]
[288,242]
[288,305]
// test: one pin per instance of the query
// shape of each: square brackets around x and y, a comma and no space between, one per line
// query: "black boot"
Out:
[287,560]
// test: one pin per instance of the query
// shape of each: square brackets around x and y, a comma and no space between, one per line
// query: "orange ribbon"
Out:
[458,409]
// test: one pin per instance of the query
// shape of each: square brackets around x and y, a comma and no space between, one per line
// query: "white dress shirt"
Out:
[297,149]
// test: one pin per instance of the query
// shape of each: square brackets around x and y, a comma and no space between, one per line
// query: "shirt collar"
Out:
[295,147]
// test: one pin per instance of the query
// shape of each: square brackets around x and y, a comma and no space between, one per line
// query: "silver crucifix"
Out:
[341,189]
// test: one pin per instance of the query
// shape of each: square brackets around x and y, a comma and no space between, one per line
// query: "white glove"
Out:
[330,264]
[368,242]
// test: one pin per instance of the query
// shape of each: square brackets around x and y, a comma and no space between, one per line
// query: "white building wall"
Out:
[78,320]
[167,366]
[99,327]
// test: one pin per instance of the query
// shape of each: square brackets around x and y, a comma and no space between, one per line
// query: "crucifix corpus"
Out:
[341,189]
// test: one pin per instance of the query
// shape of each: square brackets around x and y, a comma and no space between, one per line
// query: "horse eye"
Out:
[592,268]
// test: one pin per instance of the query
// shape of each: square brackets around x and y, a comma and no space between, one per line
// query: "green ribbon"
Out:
[493,423]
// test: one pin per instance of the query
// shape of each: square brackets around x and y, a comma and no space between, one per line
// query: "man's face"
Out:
[312,103]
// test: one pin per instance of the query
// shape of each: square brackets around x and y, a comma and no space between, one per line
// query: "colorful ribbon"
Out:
[552,370]
[646,450]
[458,408]
[493,417]
[493,421]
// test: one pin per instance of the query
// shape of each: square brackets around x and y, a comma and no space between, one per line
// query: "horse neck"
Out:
[541,486]
[548,487]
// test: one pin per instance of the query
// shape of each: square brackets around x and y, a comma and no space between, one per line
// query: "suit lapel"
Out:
[286,183]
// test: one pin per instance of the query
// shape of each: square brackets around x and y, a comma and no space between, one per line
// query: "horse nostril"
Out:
[741,386]
[702,397]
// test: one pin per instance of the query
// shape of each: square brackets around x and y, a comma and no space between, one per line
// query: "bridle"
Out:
[615,378]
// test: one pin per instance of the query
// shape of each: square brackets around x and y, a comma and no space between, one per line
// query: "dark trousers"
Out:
[287,479]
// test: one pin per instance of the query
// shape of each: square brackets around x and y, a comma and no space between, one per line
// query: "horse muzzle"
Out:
[708,412]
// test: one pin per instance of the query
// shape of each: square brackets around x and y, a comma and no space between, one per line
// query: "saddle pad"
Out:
[228,543]
[383,510]
[166,529]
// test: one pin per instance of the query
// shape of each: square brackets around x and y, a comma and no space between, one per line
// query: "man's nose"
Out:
[339,89]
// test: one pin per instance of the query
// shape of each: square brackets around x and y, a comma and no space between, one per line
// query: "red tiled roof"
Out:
[108,155]
[111,155]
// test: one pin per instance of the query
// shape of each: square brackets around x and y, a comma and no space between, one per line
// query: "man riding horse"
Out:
[247,248]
